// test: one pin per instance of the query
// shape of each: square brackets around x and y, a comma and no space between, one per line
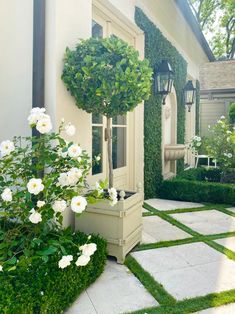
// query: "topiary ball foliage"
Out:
[106,76]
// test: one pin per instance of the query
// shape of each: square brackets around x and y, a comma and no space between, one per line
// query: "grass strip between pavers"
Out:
[153,287]
[230,254]
[192,305]
[201,238]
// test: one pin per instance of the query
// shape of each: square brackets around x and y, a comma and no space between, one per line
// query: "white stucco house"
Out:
[34,35]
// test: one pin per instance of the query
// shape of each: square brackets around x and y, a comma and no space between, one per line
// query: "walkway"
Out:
[186,264]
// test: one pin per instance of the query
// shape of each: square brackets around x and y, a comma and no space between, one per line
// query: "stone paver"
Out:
[232,209]
[229,243]
[226,309]
[189,270]
[116,291]
[156,229]
[207,222]
[161,204]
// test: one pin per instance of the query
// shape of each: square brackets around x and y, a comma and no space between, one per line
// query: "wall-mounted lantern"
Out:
[189,94]
[163,80]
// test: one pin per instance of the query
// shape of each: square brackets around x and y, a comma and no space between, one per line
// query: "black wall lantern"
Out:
[189,94]
[163,80]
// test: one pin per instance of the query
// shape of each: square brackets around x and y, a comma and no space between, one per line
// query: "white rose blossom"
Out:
[74,151]
[1,268]
[78,204]
[70,129]
[74,175]
[113,196]
[65,261]
[6,148]
[88,249]
[35,186]
[40,204]
[97,158]
[98,188]
[35,216]
[63,179]
[44,125]
[6,195]
[59,206]
[35,115]
[82,260]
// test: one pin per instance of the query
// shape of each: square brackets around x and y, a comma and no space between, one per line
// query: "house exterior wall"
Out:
[217,92]
[16,41]
[66,22]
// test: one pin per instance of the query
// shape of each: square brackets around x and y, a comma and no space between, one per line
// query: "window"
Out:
[97,30]
[97,142]
[97,120]
[119,142]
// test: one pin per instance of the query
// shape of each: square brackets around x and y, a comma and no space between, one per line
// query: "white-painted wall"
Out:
[16,42]
[66,22]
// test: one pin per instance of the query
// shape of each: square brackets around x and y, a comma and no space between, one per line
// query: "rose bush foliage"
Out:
[41,178]
[195,144]
[220,143]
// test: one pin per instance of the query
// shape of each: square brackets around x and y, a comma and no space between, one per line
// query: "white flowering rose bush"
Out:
[40,178]
[221,145]
[195,144]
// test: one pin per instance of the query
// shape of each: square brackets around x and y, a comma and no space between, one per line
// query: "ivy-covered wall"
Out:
[197,127]
[158,48]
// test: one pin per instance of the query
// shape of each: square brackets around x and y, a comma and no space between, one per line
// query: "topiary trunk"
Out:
[110,159]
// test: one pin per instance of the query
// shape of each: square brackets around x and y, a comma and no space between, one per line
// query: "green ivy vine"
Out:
[157,48]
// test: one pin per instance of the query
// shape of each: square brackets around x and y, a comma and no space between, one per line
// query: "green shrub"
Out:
[44,288]
[232,113]
[201,174]
[228,176]
[196,191]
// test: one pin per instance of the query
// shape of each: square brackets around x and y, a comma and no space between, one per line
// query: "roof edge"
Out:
[191,20]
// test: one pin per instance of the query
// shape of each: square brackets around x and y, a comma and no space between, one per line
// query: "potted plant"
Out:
[105,76]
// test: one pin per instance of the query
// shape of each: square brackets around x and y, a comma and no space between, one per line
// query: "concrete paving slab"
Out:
[156,229]
[229,243]
[116,291]
[232,209]
[82,305]
[207,222]
[226,309]
[188,270]
[162,204]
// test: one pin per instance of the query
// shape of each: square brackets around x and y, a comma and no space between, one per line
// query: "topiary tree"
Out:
[106,77]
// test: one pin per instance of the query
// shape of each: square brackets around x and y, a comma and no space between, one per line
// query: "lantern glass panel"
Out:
[163,83]
[189,96]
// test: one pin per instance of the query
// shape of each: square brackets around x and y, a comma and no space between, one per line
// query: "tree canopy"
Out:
[106,76]
[217,21]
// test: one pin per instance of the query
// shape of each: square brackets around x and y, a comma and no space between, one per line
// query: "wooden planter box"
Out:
[120,225]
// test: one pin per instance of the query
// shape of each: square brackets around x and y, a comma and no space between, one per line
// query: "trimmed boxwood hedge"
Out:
[158,48]
[45,288]
[198,191]
[201,174]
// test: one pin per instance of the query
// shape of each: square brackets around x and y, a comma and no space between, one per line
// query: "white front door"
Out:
[122,133]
